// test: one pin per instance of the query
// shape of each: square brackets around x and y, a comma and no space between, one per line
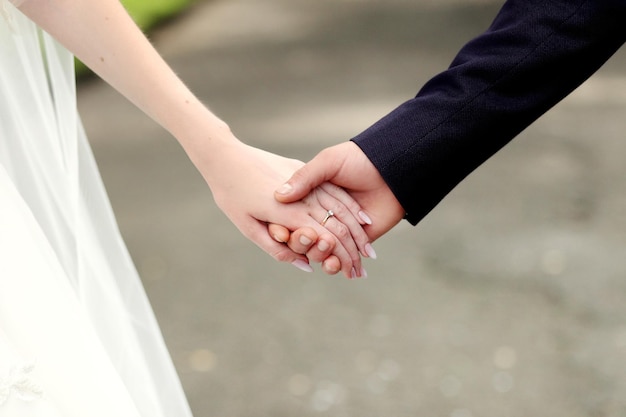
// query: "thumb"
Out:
[305,179]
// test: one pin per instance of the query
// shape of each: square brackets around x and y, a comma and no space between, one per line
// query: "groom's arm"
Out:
[533,55]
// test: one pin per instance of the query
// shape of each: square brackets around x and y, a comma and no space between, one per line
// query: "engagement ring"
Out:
[329,214]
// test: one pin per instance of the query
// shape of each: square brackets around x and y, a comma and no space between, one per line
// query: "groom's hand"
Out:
[347,166]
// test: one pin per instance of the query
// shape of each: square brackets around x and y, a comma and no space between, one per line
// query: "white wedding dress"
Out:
[77,335]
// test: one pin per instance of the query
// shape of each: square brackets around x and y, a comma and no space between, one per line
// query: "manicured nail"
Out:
[369,249]
[284,189]
[353,273]
[301,265]
[277,239]
[365,217]
[323,246]
[305,240]
[363,273]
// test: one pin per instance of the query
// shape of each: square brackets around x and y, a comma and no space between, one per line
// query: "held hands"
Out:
[340,179]
[242,178]
[346,166]
[244,192]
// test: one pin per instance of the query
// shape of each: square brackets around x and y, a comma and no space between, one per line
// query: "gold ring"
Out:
[329,214]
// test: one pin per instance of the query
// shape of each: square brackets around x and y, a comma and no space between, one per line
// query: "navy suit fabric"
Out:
[533,55]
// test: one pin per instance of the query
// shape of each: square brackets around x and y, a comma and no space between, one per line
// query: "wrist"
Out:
[202,134]
[212,148]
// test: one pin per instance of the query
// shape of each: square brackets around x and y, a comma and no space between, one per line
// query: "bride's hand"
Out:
[243,179]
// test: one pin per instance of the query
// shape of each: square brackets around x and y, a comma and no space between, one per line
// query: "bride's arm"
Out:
[104,37]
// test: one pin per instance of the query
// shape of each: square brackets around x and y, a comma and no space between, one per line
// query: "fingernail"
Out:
[353,273]
[301,265]
[363,273]
[277,239]
[323,246]
[284,189]
[369,249]
[365,217]
[305,240]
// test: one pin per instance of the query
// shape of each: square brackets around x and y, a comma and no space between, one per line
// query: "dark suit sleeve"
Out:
[534,54]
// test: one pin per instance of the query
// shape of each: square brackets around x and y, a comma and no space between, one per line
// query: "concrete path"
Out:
[508,300]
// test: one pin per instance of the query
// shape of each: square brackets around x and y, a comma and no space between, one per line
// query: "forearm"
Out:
[102,35]
[242,178]
[534,54]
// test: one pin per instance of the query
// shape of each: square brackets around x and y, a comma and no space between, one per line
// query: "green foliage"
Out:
[148,13]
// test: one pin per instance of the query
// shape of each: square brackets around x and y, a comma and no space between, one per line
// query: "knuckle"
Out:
[331,266]
[315,256]
[353,206]
[296,246]
[340,211]
[342,232]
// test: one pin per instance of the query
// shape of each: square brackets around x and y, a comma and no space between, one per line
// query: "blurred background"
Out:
[508,300]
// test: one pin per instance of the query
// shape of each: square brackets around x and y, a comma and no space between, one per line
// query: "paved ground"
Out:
[508,300]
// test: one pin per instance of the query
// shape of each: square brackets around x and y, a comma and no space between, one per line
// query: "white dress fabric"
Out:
[77,335]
